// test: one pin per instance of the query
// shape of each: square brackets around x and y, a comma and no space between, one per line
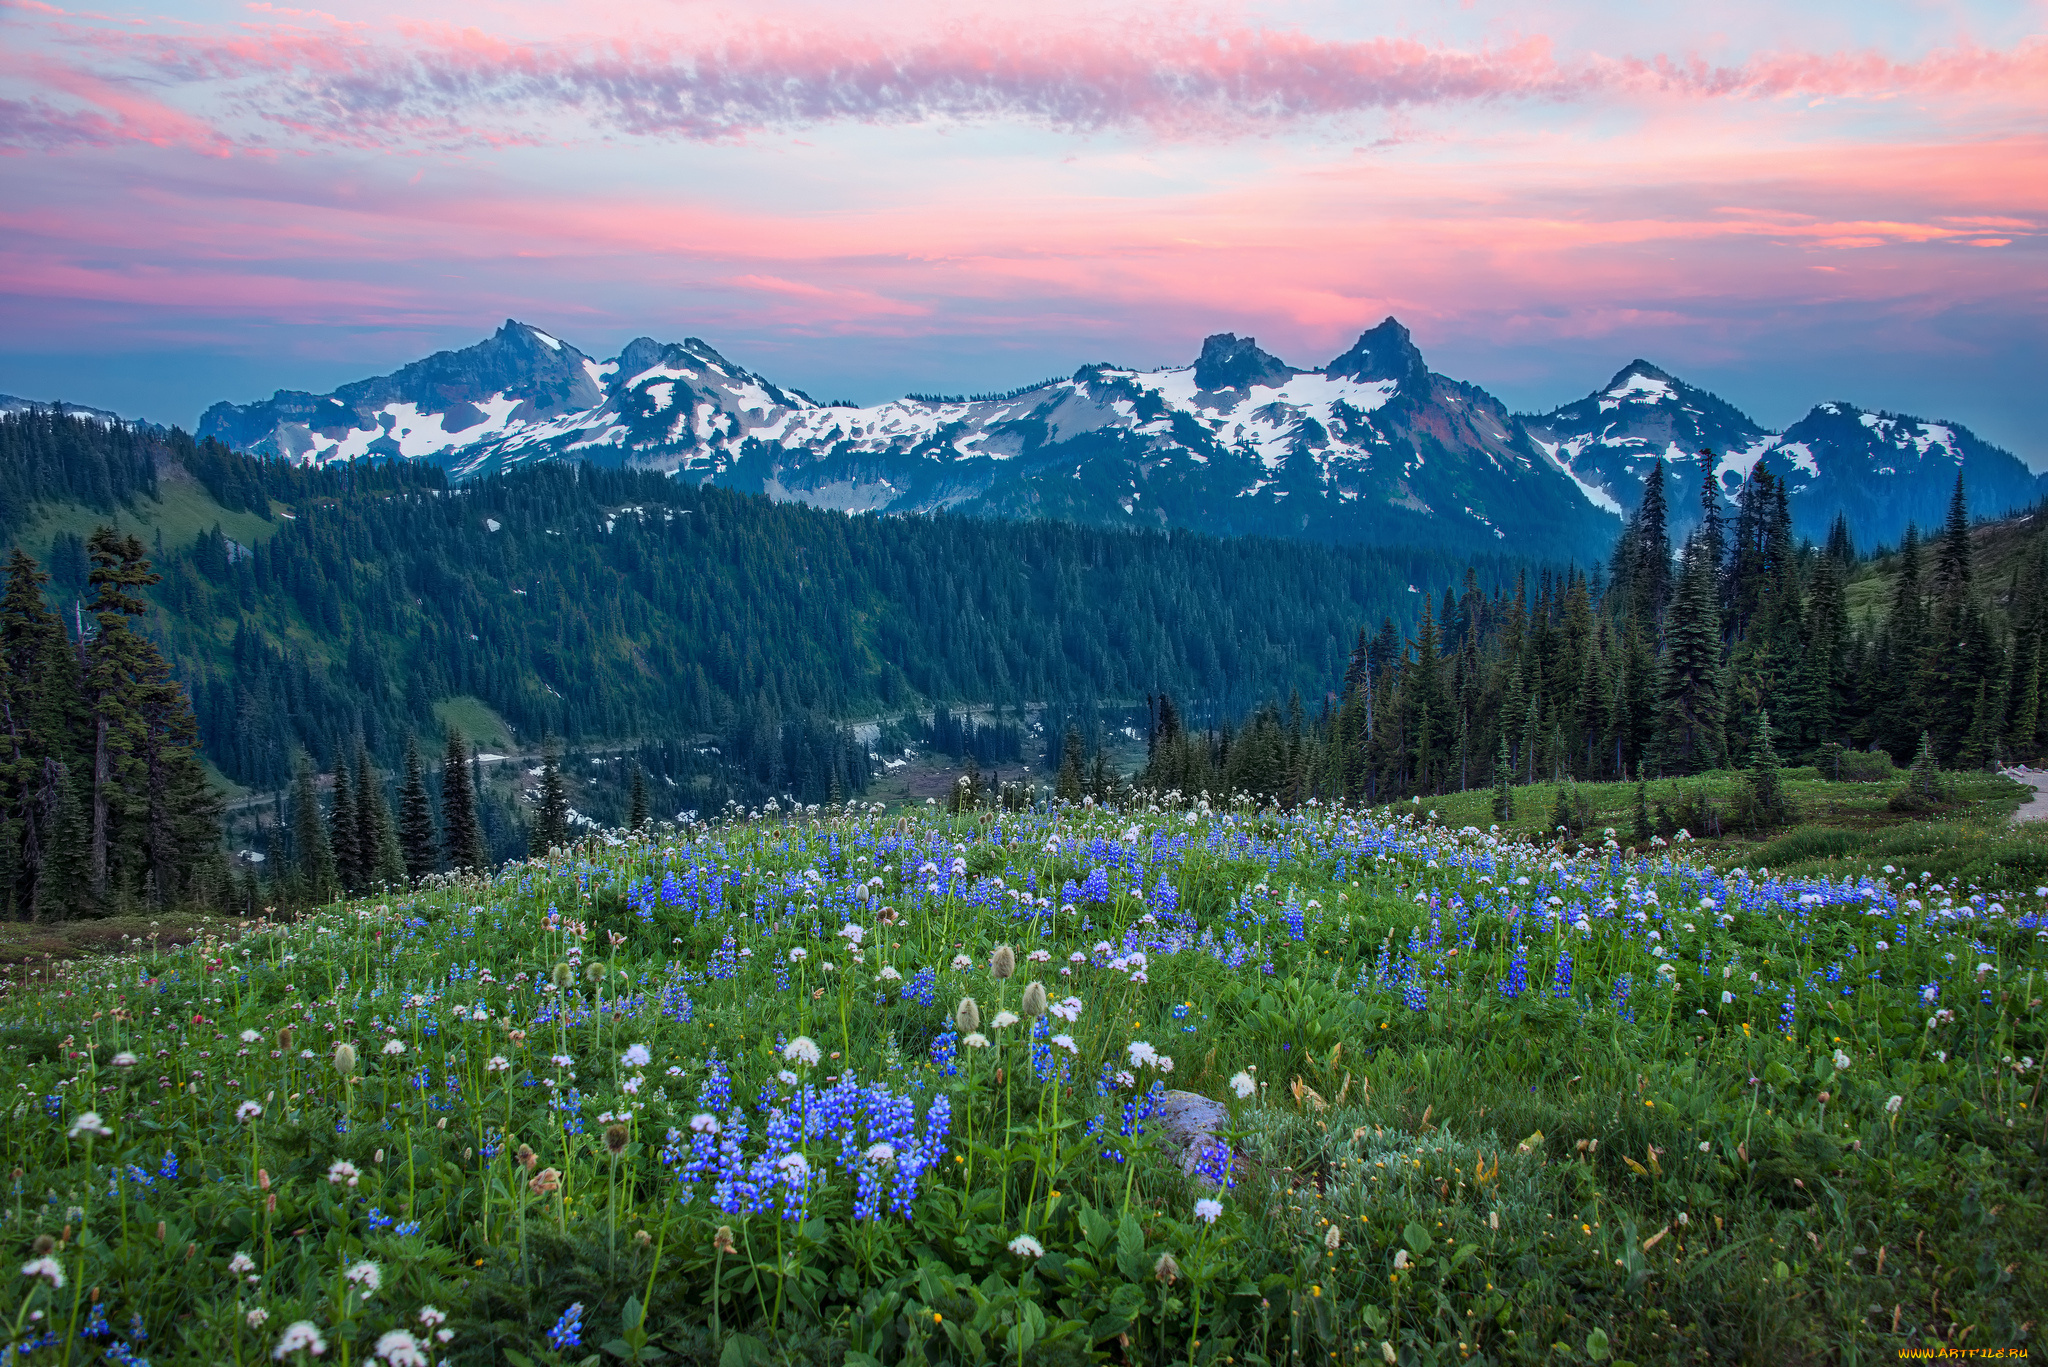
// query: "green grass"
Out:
[1721,1122]
[473,717]
[182,512]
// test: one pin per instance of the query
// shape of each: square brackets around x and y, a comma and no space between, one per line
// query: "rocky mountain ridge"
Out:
[1374,446]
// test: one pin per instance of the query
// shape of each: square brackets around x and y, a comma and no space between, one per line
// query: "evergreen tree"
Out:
[1653,549]
[344,831]
[636,804]
[1954,567]
[551,818]
[1925,787]
[1767,802]
[462,832]
[383,859]
[1503,784]
[1691,730]
[1643,828]
[61,891]
[1711,536]
[39,692]
[1561,815]
[114,659]
[416,835]
[1067,786]
[314,857]
[1841,547]
[1980,743]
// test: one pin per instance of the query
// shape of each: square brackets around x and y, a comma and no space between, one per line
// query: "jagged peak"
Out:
[1643,369]
[1232,362]
[1386,352]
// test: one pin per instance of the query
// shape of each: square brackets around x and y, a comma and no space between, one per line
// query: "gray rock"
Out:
[1189,1123]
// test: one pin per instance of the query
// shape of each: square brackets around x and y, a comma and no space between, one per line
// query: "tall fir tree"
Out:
[551,815]
[462,830]
[313,857]
[1653,549]
[344,830]
[636,802]
[1690,734]
[416,835]
[383,859]
[39,689]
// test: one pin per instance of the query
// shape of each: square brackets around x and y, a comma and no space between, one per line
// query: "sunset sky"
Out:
[1786,203]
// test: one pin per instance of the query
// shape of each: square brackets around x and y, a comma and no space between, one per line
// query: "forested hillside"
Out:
[1740,650]
[615,604]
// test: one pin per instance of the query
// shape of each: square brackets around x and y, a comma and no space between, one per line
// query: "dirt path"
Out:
[2037,808]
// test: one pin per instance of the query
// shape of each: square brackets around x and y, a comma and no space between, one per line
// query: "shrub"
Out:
[1839,764]
[1925,790]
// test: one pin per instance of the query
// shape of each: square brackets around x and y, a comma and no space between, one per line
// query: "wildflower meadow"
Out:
[1164,1084]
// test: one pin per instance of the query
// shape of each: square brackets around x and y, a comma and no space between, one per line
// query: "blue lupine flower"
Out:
[1518,972]
[568,1330]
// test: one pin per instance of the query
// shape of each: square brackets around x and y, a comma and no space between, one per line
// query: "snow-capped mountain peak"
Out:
[1373,446]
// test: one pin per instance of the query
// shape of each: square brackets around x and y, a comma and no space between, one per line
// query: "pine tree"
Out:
[1653,550]
[383,860]
[1691,730]
[61,892]
[1503,783]
[461,830]
[314,856]
[1980,742]
[344,830]
[551,818]
[114,659]
[416,835]
[1925,787]
[1766,783]
[1067,786]
[1561,821]
[636,804]
[39,687]
[1954,565]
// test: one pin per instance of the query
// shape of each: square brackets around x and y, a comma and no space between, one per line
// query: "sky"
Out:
[1786,204]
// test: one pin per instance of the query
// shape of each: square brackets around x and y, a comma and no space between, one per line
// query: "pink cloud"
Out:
[436,83]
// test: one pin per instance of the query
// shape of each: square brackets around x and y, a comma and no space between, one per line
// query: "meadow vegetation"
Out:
[837,1084]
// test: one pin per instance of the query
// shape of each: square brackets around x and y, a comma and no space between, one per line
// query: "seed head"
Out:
[564,976]
[1034,1001]
[527,1157]
[1002,963]
[344,1059]
[593,974]
[721,1242]
[1166,1270]
[967,1016]
[1334,1238]
[615,1137]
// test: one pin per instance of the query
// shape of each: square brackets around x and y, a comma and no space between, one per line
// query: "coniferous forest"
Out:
[724,636]
[105,800]
[1740,648]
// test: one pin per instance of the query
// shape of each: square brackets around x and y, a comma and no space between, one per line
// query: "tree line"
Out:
[1739,645]
[104,803]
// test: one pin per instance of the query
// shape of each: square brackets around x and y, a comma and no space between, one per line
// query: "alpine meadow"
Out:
[860,685]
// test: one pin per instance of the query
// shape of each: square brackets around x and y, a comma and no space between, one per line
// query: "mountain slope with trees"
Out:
[1737,651]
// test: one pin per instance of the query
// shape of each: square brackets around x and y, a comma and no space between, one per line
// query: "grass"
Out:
[1487,1101]
[473,717]
[181,512]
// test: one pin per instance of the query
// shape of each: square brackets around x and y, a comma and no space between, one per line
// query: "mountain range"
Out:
[1371,447]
